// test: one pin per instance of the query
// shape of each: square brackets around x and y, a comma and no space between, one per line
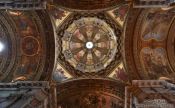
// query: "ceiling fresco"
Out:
[152,39]
[57,15]
[87,53]
[60,74]
[119,14]
[90,44]
[119,73]
[87,5]
[90,93]
[24,55]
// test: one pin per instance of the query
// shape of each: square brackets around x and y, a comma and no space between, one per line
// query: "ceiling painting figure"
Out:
[119,74]
[119,14]
[60,74]
[155,62]
[153,45]
[155,25]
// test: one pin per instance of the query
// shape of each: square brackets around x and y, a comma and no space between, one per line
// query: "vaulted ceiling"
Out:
[25,54]
[90,48]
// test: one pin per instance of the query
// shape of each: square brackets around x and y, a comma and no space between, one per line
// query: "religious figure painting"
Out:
[154,62]
[119,14]
[27,69]
[58,15]
[119,73]
[60,74]
[155,26]
[92,100]
[23,21]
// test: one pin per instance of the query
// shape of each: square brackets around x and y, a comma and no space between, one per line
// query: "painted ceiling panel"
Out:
[23,56]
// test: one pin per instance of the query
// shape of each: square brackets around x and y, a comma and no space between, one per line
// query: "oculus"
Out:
[1,46]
